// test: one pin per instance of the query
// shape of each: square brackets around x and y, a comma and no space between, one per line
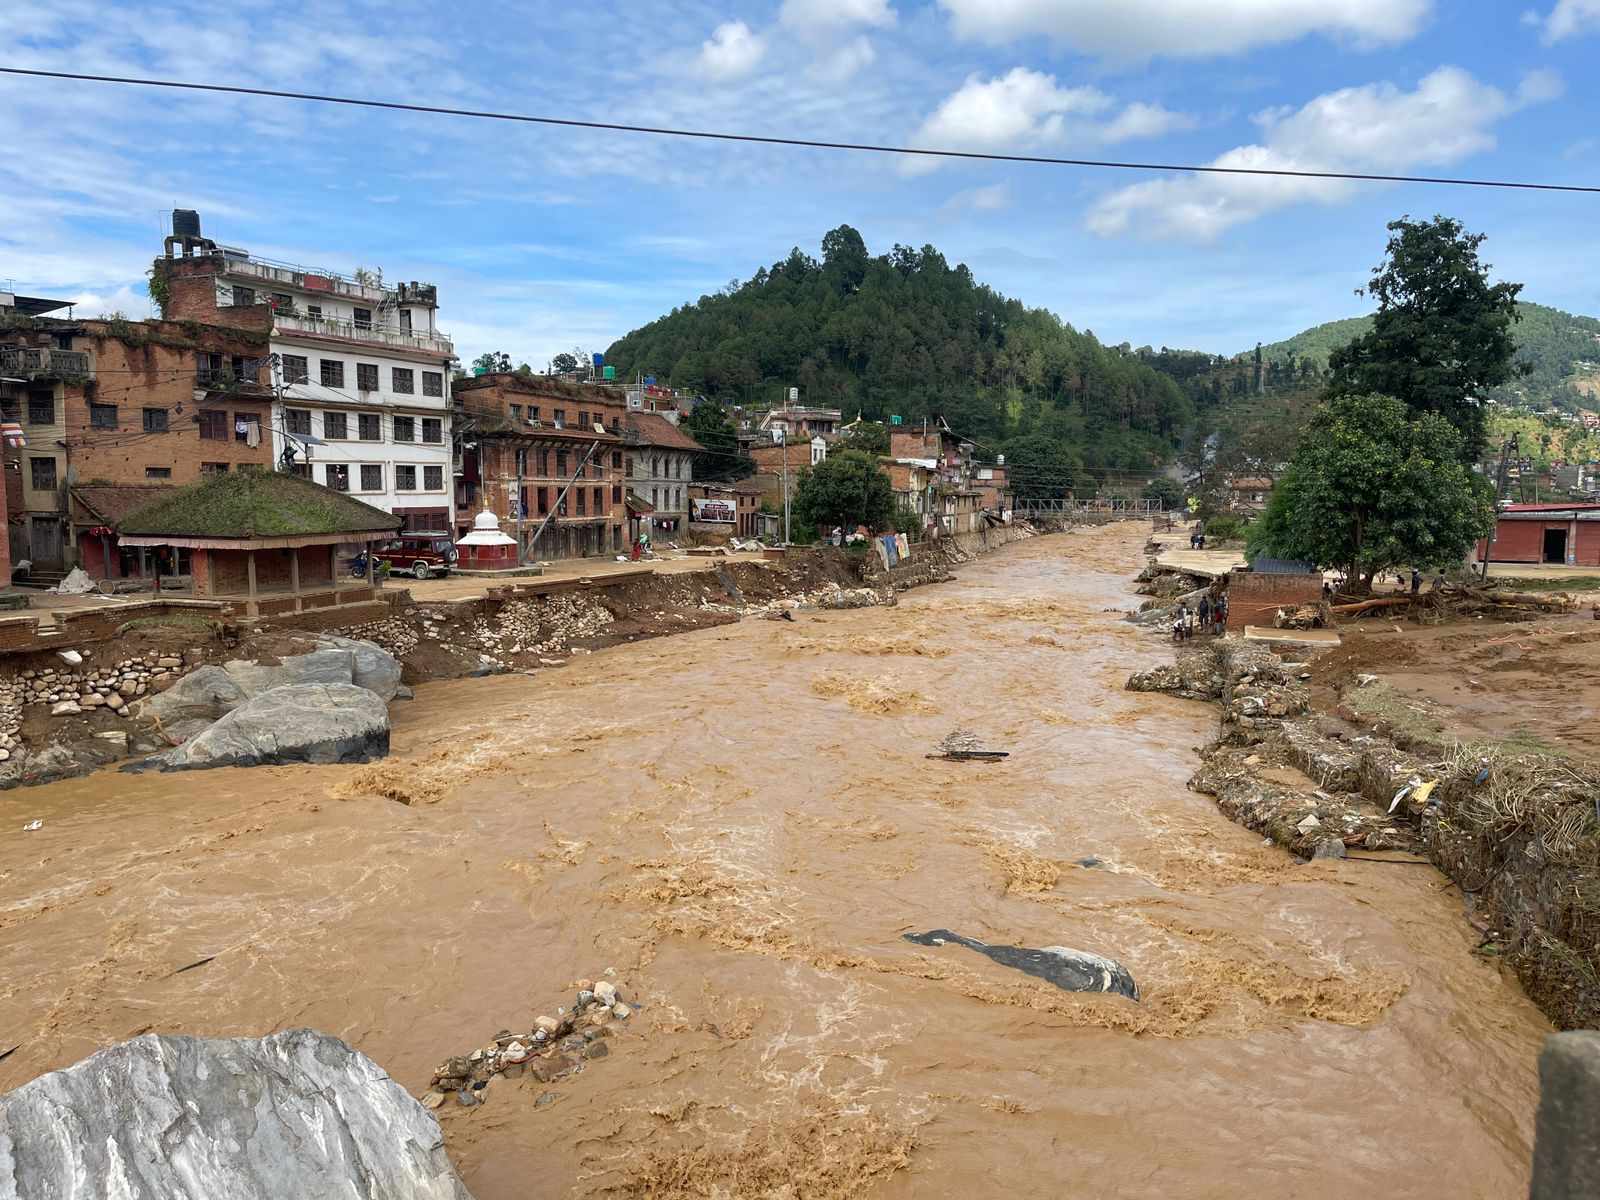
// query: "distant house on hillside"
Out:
[1248,494]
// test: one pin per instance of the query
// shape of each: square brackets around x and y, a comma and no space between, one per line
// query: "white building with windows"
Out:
[361,371]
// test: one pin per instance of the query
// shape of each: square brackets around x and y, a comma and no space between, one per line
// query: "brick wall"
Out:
[134,378]
[1252,598]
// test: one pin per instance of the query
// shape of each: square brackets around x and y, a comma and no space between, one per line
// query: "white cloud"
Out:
[1135,29]
[1569,18]
[835,14]
[1374,128]
[732,51]
[1025,110]
[837,65]
[994,198]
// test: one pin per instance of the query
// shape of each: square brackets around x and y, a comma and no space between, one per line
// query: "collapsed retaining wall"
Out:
[1518,833]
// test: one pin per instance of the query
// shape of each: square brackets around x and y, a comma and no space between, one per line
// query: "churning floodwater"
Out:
[742,824]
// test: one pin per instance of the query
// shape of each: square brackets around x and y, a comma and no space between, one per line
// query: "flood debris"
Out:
[962,745]
[554,1048]
[1071,970]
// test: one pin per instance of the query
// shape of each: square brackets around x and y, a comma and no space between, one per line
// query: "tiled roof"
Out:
[652,429]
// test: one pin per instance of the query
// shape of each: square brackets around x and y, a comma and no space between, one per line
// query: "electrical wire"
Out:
[803,143]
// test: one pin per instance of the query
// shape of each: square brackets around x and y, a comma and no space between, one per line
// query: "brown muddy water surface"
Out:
[742,824]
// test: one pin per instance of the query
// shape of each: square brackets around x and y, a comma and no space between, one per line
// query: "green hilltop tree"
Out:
[845,489]
[1441,337]
[1374,486]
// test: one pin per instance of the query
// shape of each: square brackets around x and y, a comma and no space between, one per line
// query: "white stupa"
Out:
[486,543]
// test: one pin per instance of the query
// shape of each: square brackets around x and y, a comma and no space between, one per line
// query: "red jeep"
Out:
[419,555]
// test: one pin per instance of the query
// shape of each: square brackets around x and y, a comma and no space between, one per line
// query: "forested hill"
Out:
[906,333]
[1557,345]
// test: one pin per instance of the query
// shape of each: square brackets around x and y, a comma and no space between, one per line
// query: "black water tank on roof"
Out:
[185,222]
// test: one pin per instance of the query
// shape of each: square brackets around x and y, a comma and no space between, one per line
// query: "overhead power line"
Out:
[805,143]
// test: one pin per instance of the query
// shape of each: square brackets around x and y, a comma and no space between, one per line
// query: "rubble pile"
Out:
[554,1048]
[394,634]
[541,625]
[71,692]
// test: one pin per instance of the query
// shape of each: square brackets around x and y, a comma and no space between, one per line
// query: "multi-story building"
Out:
[798,423]
[780,465]
[546,457]
[361,370]
[116,403]
[660,470]
[954,500]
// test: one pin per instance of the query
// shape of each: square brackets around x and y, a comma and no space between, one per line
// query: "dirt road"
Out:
[742,824]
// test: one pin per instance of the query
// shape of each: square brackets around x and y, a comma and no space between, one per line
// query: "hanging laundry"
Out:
[252,435]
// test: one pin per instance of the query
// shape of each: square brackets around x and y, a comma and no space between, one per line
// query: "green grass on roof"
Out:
[252,502]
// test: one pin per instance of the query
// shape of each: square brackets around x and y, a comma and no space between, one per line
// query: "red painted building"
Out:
[1567,534]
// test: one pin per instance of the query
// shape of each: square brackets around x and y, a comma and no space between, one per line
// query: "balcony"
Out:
[287,324]
[227,379]
[44,362]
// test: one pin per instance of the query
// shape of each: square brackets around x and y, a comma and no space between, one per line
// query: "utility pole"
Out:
[1507,448]
[785,487]
[522,462]
[560,499]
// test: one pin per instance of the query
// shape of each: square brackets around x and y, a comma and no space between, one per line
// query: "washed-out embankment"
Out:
[1376,779]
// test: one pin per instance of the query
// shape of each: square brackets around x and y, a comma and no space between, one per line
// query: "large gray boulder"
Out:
[328,665]
[204,693]
[297,1114]
[310,722]
[374,667]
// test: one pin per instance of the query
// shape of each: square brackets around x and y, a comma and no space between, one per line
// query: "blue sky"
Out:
[544,239]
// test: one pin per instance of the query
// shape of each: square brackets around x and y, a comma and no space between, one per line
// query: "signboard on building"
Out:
[712,511]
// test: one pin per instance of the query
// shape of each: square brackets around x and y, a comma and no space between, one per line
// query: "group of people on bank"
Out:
[1209,615]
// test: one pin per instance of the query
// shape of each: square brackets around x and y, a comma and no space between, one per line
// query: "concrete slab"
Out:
[1309,637]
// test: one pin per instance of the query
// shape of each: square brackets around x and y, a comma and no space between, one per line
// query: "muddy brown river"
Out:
[741,823]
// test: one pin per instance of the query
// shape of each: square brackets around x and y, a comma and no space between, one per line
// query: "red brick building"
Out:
[549,450]
[1566,534]
[711,504]
[127,403]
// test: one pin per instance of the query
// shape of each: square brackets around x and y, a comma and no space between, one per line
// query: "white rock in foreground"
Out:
[297,1114]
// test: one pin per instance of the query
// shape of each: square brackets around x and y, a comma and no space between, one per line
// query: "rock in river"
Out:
[1072,970]
[313,722]
[297,1114]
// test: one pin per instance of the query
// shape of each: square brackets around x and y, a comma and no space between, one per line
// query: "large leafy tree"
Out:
[845,489]
[710,425]
[869,437]
[1040,467]
[493,361]
[564,363]
[1374,486]
[1441,337]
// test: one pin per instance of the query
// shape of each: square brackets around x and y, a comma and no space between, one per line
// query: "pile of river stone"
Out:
[554,1048]
[111,687]
[541,625]
[396,635]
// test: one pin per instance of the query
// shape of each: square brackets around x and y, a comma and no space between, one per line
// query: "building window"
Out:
[516,412]
[296,369]
[544,501]
[314,311]
[405,380]
[616,494]
[599,500]
[158,472]
[247,428]
[243,295]
[560,417]
[363,318]
[561,463]
[155,420]
[405,478]
[41,410]
[544,463]
[282,300]
[533,412]
[369,427]
[213,468]
[366,377]
[433,430]
[578,492]
[405,320]
[102,416]
[297,421]
[433,479]
[214,425]
[337,477]
[405,429]
[616,460]
[655,497]
[583,418]
[332,373]
[43,473]
[372,477]
[433,385]
[334,426]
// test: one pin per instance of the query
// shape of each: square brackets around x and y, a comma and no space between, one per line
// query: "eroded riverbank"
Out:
[741,822]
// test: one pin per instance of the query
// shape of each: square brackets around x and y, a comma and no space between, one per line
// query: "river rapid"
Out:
[741,823]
